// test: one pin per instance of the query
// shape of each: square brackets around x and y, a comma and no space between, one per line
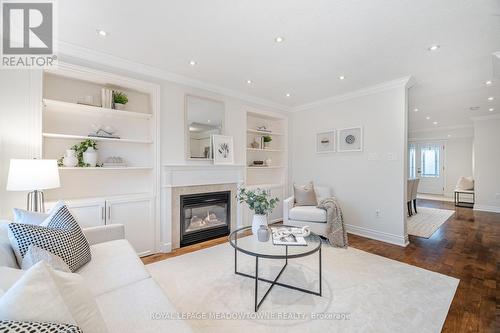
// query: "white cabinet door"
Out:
[136,214]
[88,214]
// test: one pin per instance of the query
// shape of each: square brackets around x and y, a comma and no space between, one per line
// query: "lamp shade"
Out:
[30,175]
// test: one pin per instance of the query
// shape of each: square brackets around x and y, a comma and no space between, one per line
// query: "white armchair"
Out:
[300,216]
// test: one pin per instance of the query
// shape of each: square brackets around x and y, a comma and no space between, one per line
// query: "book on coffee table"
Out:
[288,236]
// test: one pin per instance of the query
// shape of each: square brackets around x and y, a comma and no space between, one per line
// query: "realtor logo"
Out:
[28,34]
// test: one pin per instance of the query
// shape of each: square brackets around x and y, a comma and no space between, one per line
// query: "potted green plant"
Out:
[260,202]
[267,140]
[86,152]
[119,99]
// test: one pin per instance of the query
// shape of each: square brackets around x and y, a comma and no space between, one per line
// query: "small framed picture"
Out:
[223,149]
[325,142]
[350,139]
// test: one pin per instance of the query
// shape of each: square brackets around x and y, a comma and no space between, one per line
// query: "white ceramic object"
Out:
[119,106]
[257,221]
[90,157]
[269,161]
[70,160]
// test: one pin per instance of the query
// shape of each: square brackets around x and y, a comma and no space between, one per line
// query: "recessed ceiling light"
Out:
[287,95]
[491,98]
[279,39]
[101,33]
[435,122]
[249,81]
[209,121]
[192,63]
[474,108]
[488,82]
[427,117]
[341,77]
[491,109]
[415,109]
[449,135]
[433,47]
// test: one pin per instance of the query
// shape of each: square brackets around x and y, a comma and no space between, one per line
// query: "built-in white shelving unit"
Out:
[270,176]
[105,195]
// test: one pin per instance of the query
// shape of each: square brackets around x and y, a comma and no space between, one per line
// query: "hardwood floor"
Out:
[466,247]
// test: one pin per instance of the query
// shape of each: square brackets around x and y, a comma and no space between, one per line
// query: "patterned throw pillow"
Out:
[62,236]
[12,326]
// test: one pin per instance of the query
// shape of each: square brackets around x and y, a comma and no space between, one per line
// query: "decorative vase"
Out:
[119,106]
[90,157]
[70,160]
[266,145]
[257,221]
[263,233]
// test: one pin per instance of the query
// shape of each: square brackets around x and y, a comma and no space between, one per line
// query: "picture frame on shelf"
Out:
[223,149]
[350,139]
[325,142]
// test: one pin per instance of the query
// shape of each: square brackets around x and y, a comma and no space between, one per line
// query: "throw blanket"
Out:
[336,233]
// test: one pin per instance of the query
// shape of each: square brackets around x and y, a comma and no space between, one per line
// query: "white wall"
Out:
[487,163]
[363,182]
[19,132]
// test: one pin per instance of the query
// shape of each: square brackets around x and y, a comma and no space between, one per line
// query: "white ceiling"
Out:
[367,41]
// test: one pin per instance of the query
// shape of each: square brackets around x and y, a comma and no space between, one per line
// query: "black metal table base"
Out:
[274,282]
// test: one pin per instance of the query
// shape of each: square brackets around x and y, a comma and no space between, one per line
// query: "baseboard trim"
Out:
[485,208]
[378,235]
[166,247]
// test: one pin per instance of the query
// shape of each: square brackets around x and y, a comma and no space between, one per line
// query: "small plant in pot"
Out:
[267,140]
[260,202]
[86,152]
[119,99]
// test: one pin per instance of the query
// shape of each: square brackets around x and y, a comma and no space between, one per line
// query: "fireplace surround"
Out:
[204,216]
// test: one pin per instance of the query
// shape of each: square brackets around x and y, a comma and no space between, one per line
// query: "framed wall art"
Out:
[350,139]
[223,149]
[325,142]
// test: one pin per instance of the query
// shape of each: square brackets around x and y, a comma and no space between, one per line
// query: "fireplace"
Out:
[204,216]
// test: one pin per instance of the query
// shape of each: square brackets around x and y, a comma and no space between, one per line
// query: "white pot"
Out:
[90,157]
[257,221]
[70,160]
[119,106]
[267,145]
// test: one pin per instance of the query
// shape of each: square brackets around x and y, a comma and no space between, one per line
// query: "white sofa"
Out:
[300,216]
[126,294]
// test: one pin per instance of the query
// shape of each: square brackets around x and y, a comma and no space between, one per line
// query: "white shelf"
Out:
[84,137]
[269,150]
[104,168]
[55,105]
[263,132]
[265,167]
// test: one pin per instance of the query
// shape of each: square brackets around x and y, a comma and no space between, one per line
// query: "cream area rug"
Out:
[362,292]
[427,221]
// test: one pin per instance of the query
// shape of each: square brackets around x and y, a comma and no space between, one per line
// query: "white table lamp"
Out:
[34,176]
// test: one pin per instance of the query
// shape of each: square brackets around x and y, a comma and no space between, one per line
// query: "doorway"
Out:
[426,161]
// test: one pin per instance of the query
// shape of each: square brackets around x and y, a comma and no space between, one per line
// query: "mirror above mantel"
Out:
[204,118]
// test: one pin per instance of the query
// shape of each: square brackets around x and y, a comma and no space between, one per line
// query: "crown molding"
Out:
[404,82]
[87,54]
[488,117]
[440,129]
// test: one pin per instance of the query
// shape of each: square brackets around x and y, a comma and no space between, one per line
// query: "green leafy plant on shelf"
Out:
[267,138]
[258,200]
[120,98]
[82,148]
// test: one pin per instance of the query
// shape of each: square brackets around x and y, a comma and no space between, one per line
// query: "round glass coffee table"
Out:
[243,241]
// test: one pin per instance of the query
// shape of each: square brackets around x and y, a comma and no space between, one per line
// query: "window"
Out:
[412,163]
[430,161]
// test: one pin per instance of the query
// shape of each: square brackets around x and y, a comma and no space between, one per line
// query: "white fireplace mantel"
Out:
[201,174]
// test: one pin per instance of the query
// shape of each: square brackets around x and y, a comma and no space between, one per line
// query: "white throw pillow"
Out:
[36,254]
[27,217]
[46,295]
[465,183]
